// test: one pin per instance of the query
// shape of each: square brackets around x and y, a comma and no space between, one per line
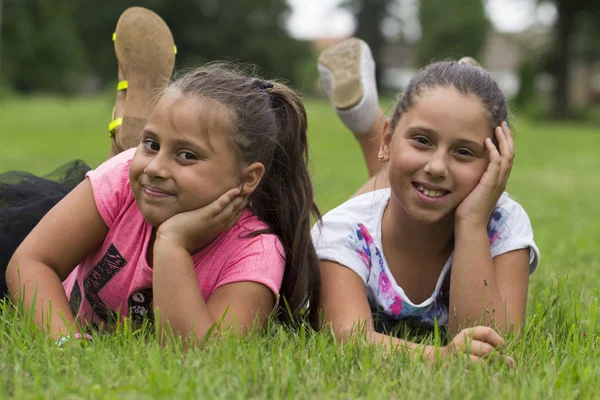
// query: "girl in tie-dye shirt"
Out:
[432,238]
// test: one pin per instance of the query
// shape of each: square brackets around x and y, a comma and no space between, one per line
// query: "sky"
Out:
[322,18]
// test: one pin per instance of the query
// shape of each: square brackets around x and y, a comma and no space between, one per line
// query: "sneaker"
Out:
[347,74]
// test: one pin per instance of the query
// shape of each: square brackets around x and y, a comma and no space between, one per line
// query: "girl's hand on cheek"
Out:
[195,229]
[478,205]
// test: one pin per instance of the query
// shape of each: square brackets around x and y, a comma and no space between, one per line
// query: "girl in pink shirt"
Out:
[207,220]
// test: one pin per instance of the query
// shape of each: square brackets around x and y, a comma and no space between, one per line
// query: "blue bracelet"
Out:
[60,342]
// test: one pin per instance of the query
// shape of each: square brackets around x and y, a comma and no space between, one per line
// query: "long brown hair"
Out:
[268,124]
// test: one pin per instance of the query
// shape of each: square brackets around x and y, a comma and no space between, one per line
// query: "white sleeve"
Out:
[509,229]
[335,240]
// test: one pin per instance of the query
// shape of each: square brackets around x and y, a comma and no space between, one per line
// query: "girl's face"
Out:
[184,160]
[436,153]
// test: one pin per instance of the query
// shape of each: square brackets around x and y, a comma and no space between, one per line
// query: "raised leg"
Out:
[145,53]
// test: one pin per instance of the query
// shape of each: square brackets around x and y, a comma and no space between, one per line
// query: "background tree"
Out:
[40,46]
[451,29]
[576,36]
[248,31]
[53,45]
[369,16]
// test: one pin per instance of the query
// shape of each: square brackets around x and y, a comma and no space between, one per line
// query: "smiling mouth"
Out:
[431,193]
[155,192]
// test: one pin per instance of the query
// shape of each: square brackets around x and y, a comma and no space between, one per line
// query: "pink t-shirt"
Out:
[116,278]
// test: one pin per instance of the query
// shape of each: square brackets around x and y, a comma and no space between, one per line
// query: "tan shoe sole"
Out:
[145,52]
[343,60]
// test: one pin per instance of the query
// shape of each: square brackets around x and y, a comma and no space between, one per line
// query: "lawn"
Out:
[556,178]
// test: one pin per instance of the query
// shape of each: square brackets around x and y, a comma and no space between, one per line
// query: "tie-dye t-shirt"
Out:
[351,236]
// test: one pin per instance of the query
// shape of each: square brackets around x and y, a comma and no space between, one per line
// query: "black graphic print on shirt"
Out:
[101,274]
[140,306]
[75,298]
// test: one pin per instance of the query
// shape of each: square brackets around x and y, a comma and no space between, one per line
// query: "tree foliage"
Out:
[576,36]
[451,29]
[52,45]
[369,17]
[40,46]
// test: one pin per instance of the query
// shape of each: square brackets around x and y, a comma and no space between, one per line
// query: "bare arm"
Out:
[346,308]
[178,298]
[62,239]
[486,291]
[481,289]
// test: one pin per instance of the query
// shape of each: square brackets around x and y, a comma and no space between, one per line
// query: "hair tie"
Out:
[263,85]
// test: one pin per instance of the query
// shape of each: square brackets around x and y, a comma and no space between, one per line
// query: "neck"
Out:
[417,236]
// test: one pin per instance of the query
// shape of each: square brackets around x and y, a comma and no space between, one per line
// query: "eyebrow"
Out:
[186,143]
[471,143]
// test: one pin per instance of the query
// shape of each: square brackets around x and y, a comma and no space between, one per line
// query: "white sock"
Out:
[360,117]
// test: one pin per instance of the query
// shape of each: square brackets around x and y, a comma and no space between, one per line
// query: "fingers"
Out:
[510,361]
[509,137]
[474,359]
[504,146]
[480,349]
[480,340]
[501,157]
[237,213]
[507,152]
[230,209]
[485,334]
[503,359]
[224,200]
[493,170]
[481,343]
[232,213]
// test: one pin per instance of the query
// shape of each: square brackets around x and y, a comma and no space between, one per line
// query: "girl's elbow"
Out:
[14,275]
[343,333]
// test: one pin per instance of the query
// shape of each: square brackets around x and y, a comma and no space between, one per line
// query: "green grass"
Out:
[556,178]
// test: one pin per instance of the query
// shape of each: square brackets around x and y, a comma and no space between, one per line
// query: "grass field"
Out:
[556,178]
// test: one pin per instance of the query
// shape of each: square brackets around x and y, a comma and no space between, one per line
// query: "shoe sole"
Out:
[470,60]
[343,60]
[144,48]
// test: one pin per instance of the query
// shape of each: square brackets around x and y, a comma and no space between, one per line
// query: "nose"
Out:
[158,167]
[437,165]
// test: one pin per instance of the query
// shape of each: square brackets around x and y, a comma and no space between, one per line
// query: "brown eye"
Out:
[464,152]
[421,140]
[187,156]
[151,145]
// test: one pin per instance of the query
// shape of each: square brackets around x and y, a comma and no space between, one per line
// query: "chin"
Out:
[154,219]
[429,217]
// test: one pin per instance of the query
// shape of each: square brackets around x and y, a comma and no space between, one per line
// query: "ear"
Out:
[251,177]
[386,138]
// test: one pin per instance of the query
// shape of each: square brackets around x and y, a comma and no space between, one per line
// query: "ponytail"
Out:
[285,201]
